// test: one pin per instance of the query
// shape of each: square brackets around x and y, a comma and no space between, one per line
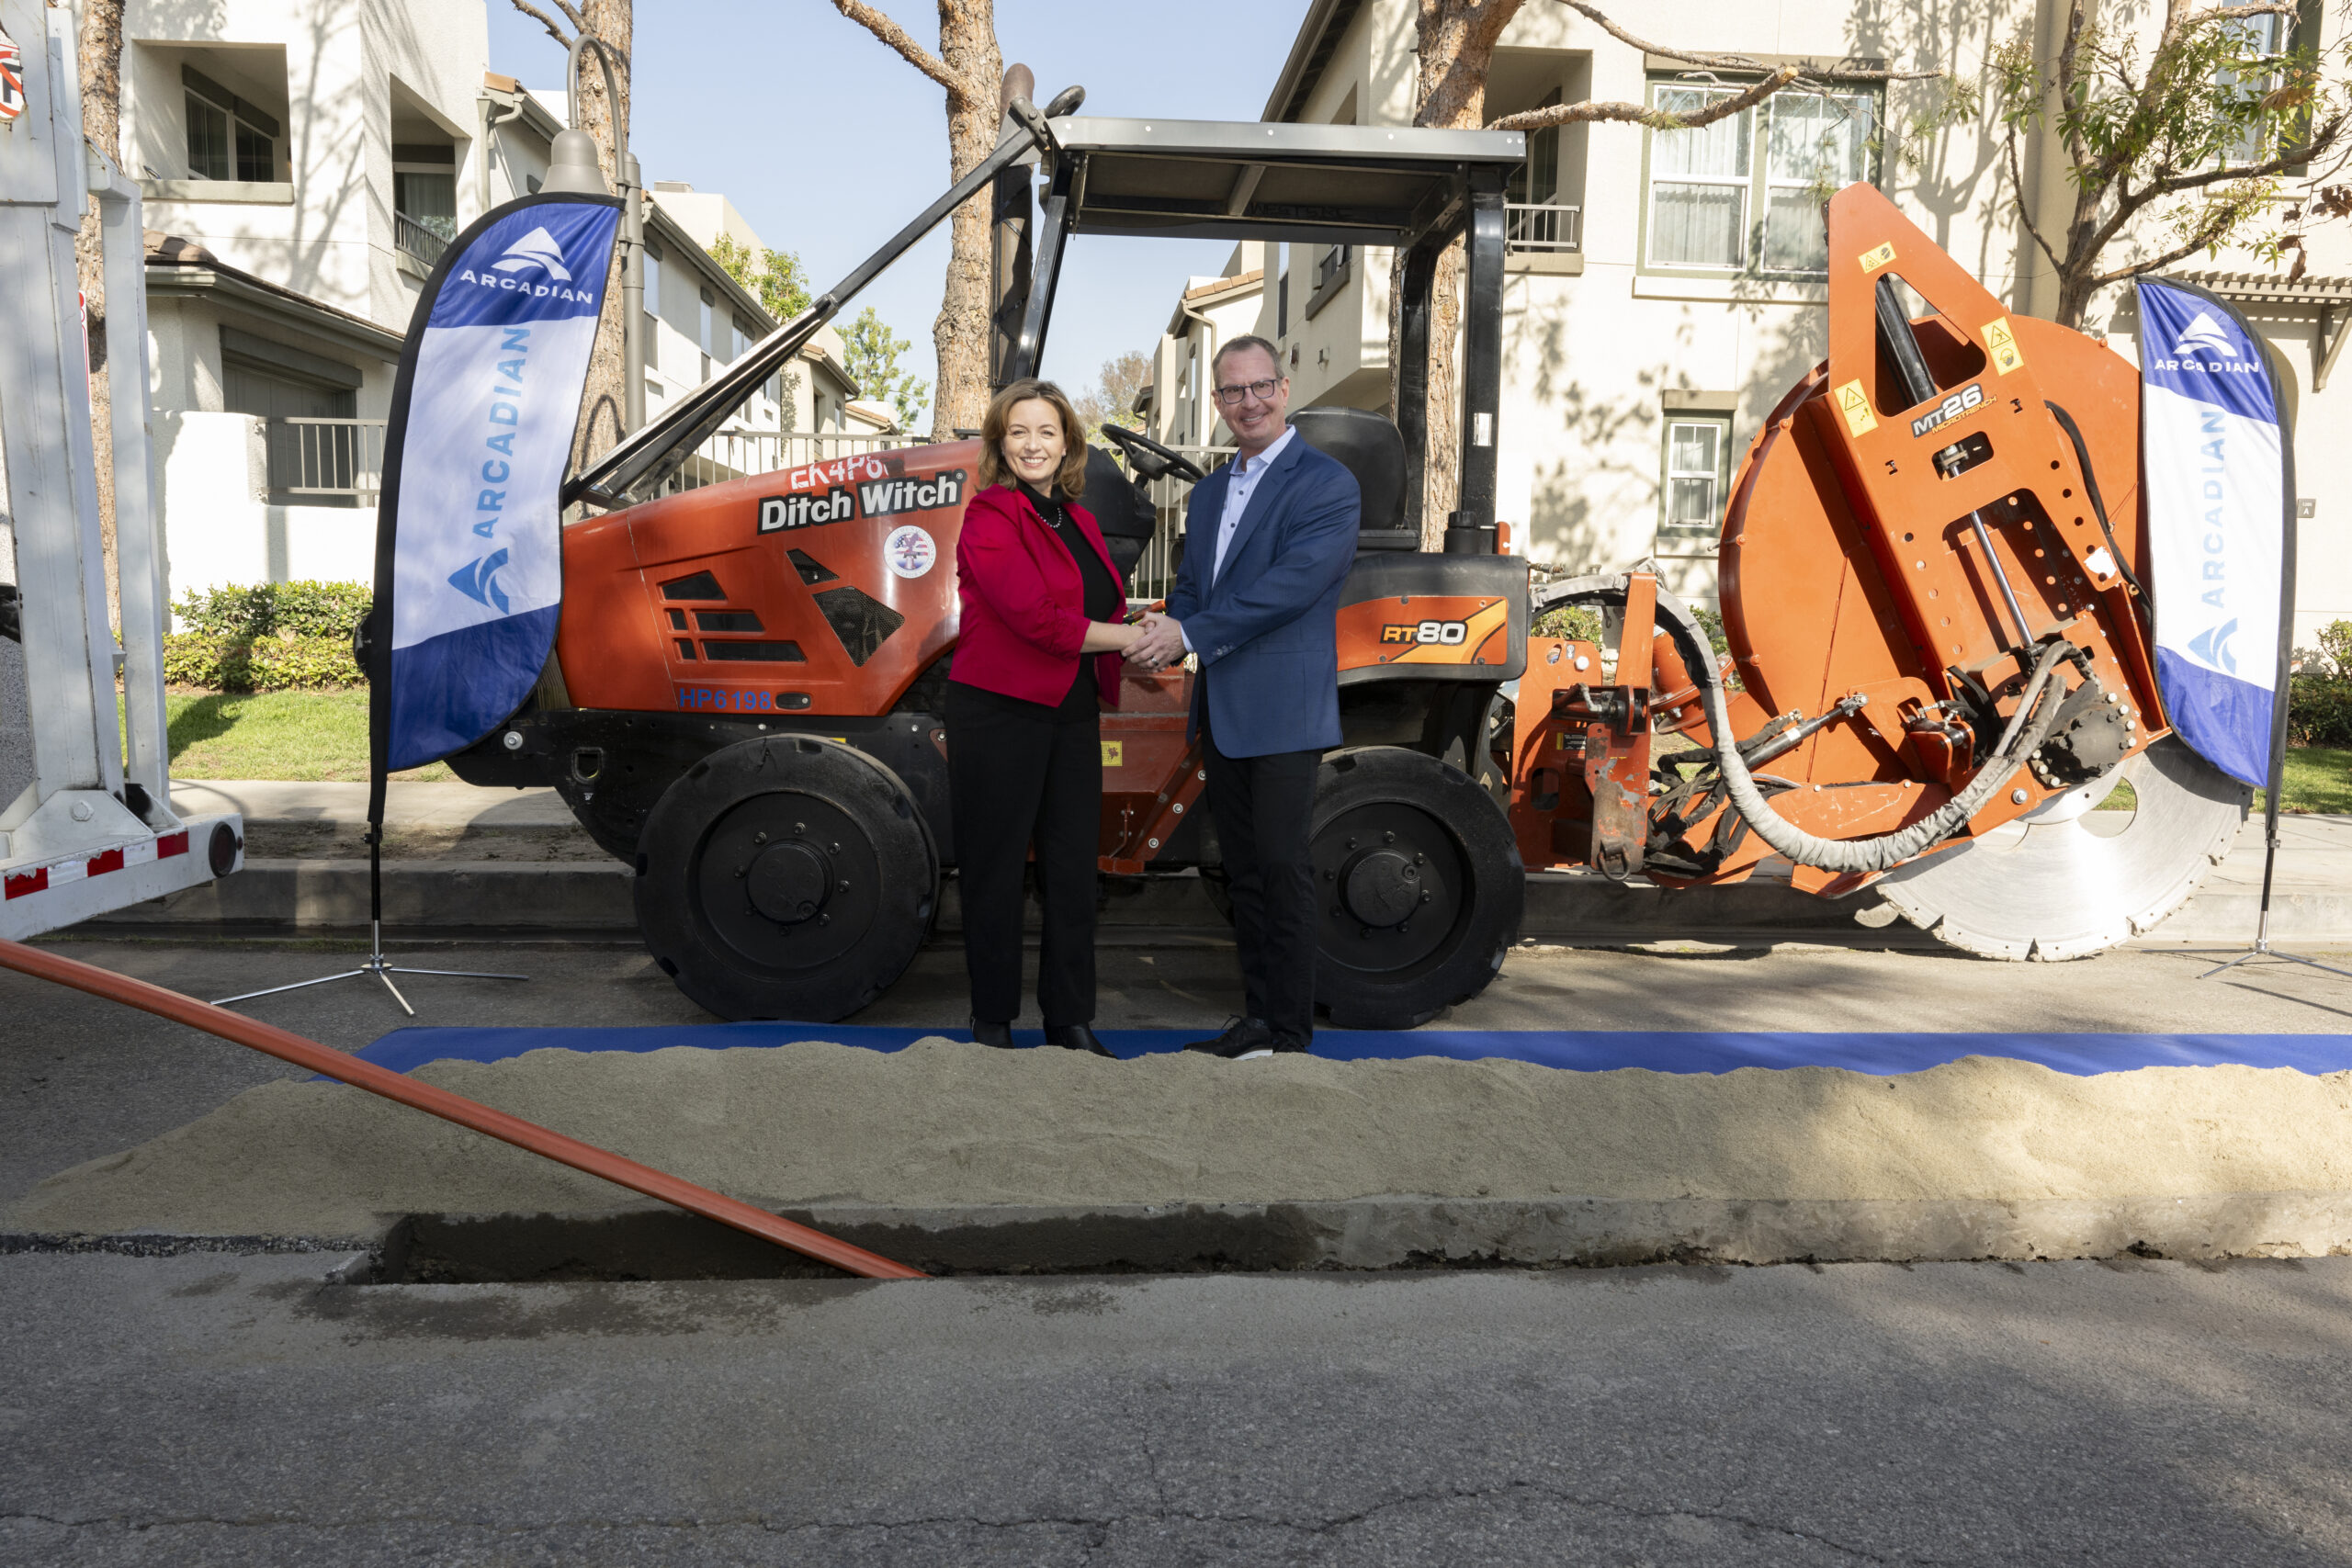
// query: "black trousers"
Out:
[1021,774]
[1264,811]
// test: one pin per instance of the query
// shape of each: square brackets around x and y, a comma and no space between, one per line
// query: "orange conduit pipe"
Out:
[285,1046]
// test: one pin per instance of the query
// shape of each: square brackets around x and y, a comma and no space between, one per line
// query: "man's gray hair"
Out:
[1247,339]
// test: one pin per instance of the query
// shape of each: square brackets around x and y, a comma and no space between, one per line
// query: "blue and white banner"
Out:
[469,550]
[2215,461]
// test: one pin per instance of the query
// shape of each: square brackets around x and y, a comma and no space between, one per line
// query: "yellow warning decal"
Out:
[1111,754]
[1855,404]
[1875,259]
[2001,346]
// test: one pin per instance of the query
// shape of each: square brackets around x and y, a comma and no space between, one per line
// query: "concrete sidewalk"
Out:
[459,857]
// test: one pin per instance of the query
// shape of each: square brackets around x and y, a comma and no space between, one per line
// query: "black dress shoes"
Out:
[1076,1037]
[997,1035]
[1246,1039]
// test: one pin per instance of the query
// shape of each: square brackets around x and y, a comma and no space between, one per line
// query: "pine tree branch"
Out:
[1736,61]
[1638,114]
[545,20]
[899,40]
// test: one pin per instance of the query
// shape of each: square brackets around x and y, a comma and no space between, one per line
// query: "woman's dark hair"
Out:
[995,471]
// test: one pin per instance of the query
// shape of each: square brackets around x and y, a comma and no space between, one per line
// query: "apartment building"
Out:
[1664,287]
[302,168]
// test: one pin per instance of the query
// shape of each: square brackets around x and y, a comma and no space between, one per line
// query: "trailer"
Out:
[88,827]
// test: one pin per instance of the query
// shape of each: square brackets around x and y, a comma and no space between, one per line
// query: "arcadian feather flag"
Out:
[2217,460]
[468,554]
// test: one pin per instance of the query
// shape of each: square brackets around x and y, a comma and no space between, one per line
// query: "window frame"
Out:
[1721,423]
[239,116]
[1759,182]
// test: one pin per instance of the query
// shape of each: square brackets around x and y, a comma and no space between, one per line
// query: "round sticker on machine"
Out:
[909,551]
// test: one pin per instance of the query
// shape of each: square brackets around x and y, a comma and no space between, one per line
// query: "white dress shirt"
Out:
[1239,486]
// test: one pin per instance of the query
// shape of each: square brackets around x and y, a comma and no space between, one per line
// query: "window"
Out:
[1820,144]
[1715,205]
[1697,447]
[228,139]
[2260,38]
[424,199]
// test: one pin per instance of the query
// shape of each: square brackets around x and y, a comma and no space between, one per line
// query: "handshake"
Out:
[1157,643]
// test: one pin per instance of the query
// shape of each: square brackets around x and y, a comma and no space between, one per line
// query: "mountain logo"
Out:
[477,580]
[2212,645]
[539,249]
[2203,333]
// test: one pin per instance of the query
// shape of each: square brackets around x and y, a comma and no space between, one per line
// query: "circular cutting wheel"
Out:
[2068,879]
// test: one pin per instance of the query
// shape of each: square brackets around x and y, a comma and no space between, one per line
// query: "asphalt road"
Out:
[227,1408]
[219,1410]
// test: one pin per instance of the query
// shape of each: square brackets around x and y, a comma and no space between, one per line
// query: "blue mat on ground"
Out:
[1581,1051]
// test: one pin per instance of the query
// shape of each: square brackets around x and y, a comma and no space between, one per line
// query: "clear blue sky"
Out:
[827,141]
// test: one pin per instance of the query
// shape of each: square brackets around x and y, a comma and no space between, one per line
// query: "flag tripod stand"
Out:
[2262,948]
[376,963]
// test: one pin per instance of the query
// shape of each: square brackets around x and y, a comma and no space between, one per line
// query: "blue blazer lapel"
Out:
[1261,499]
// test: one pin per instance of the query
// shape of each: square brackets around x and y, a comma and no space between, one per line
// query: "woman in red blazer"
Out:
[1023,711]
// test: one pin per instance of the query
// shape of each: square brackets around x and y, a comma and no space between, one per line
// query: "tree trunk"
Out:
[611,21]
[101,51]
[1456,47]
[967,47]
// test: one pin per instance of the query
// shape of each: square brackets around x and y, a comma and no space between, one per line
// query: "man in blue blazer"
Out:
[1267,540]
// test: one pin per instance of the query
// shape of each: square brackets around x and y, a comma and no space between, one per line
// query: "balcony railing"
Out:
[325,462]
[1543,228]
[423,238]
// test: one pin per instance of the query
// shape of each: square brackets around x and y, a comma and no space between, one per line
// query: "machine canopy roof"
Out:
[1363,185]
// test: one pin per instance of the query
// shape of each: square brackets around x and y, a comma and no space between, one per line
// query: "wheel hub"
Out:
[789,883]
[1381,887]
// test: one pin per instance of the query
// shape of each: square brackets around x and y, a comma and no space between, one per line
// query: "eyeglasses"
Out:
[1262,390]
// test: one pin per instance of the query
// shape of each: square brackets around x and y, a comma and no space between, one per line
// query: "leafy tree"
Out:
[1111,399]
[775,278]
[874,350]
[2196,134]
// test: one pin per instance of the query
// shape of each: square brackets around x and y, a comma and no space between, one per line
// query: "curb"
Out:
[588,896]
[1364,1234]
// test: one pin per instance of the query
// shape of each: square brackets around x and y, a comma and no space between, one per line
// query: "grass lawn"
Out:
[274,735]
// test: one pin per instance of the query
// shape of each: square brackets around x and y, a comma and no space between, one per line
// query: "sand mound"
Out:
[947,1124]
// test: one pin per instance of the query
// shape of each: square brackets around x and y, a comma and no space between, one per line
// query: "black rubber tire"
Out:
[1376,809]
[785,878]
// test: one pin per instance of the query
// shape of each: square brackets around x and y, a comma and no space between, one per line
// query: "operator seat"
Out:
[1121,509]
[1368,445]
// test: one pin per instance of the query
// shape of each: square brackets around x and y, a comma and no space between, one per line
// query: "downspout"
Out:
[1208,391]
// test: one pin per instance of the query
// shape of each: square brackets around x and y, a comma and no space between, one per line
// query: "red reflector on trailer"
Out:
[30,882]
[172,844]
[98,866]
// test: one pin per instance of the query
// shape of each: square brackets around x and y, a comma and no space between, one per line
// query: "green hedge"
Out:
[273,637]
[275,609]
[2319,704]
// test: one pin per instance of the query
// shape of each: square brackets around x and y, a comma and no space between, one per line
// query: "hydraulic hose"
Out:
[2025,732]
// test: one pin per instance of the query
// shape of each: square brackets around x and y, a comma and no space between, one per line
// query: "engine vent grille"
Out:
[753,653]
[701,585]
[812,570]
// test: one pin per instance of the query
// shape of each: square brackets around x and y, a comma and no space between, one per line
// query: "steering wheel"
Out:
[1149,457]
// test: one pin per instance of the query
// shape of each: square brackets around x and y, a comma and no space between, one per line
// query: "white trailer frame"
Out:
[95,830]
